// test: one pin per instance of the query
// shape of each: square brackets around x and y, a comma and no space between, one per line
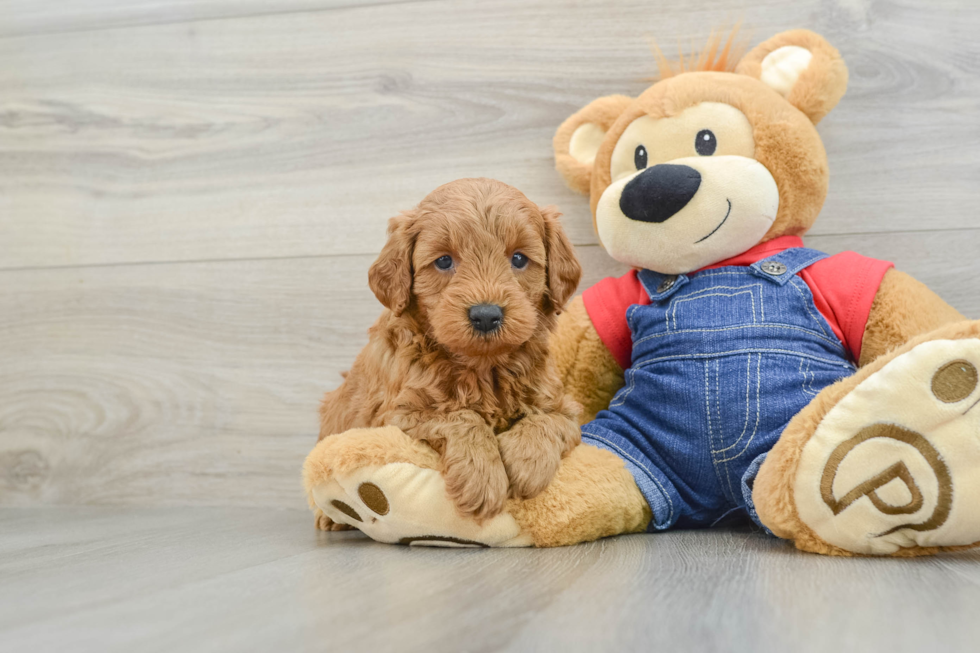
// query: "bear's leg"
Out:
[387,485]
[593,495]
[886,462]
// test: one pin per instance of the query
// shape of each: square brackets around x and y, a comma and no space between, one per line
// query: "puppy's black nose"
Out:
[659,192]
[486,318]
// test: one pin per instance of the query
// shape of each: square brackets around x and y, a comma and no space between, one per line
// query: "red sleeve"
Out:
[606,303]
[844,287]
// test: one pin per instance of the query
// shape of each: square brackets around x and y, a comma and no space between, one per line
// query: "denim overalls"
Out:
[723,359]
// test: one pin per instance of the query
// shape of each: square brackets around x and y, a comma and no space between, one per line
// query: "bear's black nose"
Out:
[486,318]
[659,192]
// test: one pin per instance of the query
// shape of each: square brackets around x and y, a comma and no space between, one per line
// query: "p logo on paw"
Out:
[896,463]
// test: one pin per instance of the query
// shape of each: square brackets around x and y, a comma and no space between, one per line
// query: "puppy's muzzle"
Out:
[486,318]
[659,192]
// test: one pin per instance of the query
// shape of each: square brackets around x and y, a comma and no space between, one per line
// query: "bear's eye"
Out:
[519,260]
[705,142]
[444,262]
[640,157]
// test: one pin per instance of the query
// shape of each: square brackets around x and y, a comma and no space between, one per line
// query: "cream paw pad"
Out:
[896,463]
[389,487]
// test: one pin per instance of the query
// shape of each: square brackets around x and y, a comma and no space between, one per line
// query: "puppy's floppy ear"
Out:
[564,270]
[578,138]
[390,276]
[802,67]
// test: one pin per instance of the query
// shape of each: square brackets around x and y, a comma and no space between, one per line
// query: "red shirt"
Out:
[843,286]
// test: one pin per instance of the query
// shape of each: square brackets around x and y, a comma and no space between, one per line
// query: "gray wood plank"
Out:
[196,579]
[25,17]
[198,383]
[300,134]
[172,384]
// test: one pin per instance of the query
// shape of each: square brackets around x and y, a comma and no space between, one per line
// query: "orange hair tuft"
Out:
[715,56]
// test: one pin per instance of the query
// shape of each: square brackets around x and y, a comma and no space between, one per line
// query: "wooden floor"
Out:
[234,579]
[190,195]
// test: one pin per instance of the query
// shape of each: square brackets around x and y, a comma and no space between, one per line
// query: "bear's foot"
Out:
[387,485]
[384,484]
[891,464]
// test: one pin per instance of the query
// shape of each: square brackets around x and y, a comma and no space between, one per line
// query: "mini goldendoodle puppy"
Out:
[472,279]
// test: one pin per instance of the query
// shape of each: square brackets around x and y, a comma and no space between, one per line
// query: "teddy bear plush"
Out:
[831,399]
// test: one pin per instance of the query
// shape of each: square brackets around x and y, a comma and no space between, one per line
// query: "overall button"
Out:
[775,268]
[668,283]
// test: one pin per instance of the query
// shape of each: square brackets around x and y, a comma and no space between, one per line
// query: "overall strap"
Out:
[780,268]
[661,286]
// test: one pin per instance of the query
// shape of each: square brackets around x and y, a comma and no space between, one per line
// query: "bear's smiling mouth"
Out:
[719,224]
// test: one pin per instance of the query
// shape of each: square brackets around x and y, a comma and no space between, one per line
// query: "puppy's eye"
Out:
[519,261]
[705,142]
[444,263]
[640,157]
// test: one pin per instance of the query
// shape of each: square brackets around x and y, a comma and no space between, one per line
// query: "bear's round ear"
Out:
[577,140]
[802,67]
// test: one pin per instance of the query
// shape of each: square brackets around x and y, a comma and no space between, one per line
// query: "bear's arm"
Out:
[902,309]
[590,373]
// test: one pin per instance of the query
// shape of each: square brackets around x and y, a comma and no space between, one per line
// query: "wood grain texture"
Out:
[195,579]
[23,17]
[166,383]
[299,134]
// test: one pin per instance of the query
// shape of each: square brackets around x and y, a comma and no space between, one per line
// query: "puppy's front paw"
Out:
[477,489]
[530,460]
